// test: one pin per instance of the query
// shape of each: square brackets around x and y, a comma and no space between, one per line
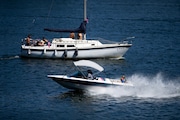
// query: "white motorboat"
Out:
[73,47]
[80,80]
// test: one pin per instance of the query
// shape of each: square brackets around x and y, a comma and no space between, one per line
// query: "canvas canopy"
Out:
[89,63]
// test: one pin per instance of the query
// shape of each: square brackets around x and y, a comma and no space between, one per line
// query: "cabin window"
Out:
[60,45]
[92,44]
[70,46]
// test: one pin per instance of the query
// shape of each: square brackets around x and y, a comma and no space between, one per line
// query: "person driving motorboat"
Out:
[90,76]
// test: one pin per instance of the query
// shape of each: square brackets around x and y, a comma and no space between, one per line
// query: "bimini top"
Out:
[89,63]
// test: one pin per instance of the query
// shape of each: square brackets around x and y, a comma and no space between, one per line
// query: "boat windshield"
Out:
[78,74]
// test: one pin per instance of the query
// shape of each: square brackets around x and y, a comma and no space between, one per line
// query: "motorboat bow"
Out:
[80,80]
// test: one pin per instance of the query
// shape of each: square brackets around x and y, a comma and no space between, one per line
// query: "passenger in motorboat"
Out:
[123,79]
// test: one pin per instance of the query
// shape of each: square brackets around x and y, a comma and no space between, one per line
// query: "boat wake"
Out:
[8,57]
[145,87]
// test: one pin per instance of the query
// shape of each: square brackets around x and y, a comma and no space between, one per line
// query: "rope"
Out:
[50,9]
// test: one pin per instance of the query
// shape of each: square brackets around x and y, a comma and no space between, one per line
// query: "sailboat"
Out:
[72,47]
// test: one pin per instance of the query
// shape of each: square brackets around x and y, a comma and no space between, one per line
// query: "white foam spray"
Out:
[145,87]
[9,57]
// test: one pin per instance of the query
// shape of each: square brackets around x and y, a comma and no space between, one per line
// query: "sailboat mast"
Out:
[85,15]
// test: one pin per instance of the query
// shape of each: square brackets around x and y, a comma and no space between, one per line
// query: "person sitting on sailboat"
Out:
[45,41]
[80,36]
[28,40]
[40,43]
[72,35]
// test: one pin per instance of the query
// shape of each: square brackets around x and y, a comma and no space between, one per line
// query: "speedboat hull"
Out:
[85,84]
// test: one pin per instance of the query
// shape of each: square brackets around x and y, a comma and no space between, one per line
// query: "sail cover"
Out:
[89,63]
[81,29]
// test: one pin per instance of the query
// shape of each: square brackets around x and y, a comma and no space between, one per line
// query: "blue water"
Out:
[151,64]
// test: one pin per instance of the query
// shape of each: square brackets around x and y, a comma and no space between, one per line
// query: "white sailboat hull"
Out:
[104,51]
